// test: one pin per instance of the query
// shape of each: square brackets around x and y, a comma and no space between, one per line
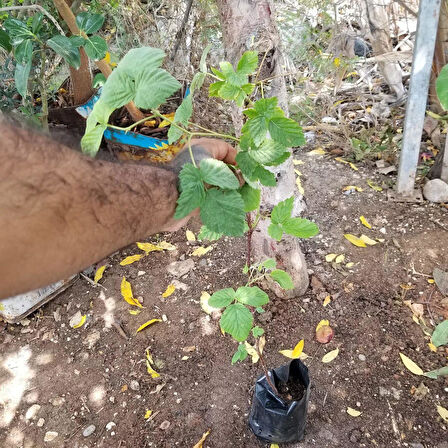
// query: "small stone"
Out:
[265,317]
[203,263]
[32,411]
[416,445]
[134,385]
[140,273]
[165,425]
[180,268]
[436,190]
[40,422]
[180,285]
[110,425]
[58,401]
[50,435]
[383,391]
[89,430]
[92,338]
[362,357]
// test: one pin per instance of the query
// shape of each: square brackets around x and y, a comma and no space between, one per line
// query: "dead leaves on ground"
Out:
[126,292]
[296,352]
[147,324]
[200,443]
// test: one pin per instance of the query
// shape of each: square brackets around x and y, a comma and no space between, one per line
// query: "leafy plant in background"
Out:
[226,207]
[29,41]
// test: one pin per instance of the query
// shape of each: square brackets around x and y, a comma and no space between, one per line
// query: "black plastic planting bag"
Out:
[273,419]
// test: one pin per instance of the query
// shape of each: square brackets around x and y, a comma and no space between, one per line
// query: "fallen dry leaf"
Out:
[78,320]
[190,235]
[126,292]
[147,324]
[330,257]
[317,152]
[166,246]
[135,312]
[149,369]
[124,388]
[324,334]
[148,414]
[339,259]
[295,352]
[169,290]
[261,343]
[364,222]
[411,365]
[205,296]
[252,352]
[352,187]
[330,356]
[300,186]
[204,436]
[298,162]
[353,412]
[350,265]
[355,240]
[200,251]
[99,273]
[432,347]
[368,240]
[131,259]
[443,412]
[374,186]
[322,323]
[441,279]
[148,247]
[327,300]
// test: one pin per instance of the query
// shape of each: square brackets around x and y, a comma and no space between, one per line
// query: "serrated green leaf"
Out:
[5,41]
[118,90]
[240,98]
[246,164]
[440,334]
[275,231]
[442,87]
[91,141]
[266,106]
[434,374]
[286,131]
[282,278]
[174,134]
[237,320]
[216,172]
[206,234]
[184,111]
[282,211]
[240,354]
[252,295]
[269,263]
[197,82]
[264,176]
[251,197]
[24,52]
[229,91]
[222,298]
[279,160]
[269,151]
[66,48]
[300,227]
[218,74]
[257,332]
[17,31]
[21,75]
[95,47]
[248,88]
[256,128]
[213,89]
[140,60]
[259,310]
[248,62]
[234,78]
[192,191]
[223,212]
[89,22]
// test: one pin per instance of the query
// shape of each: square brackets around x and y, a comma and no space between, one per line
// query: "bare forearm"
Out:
[61,211]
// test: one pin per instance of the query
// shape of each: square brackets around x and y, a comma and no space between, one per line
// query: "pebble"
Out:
[180,268]
[110,425]
[32,411]
[436,190]
[265,317]
[50,435]
[40,422]
[180,285]
[92,338]
[416,445]
[89,430]
[362,357]
[165,425]
[140,273]
[134,385]
[58,401]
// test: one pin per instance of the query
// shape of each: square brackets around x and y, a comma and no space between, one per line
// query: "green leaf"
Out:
[282,211]
[98,80]
[184,111]
[96,47]
[77,41]
[269,151]
[229,91]
[174,134]
[257,332]
[259,310]
[222,298]
[248,88]
[275,231]
[264,176]
[89,22]
[36,23]
[300,227]
[192,191]
[252,295]
[154,87]
[286,131]
[434,374]
[118,90]
[213,89]
[5,41]
[256,128]
[246,164]
[282,278]
[100,114]
[223,212]
[240,354]
[245,269]
[206,234]
[91,141]
[21,75]
[197,82]
[440,334]
[216,172]
[24,52]
[203,61]
[66,48]
[141,60]
[269,263]
[237,320]
[218,74]
[279,160]
[248,62]
[442,87]
[17,30]
[251,197]
[268,107]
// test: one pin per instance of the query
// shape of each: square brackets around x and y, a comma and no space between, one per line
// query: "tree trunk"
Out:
[250,25]
[379,27]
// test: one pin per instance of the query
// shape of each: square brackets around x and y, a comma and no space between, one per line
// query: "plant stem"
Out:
[215,134]
[133,125]
[191,151]
[266,373]
[171,122]
[249,239]
[43,90]
[261,65]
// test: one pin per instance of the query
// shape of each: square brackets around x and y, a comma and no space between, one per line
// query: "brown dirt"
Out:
[51,364]
[292,390]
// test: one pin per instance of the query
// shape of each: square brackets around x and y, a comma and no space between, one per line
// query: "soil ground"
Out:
[96,374]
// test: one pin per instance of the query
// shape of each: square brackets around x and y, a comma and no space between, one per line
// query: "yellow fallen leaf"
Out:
[298,162]
[148,414]
[352,187]
[298,349]
[350,265]
[443,412]
[330,355]
[124,388]
[131,259]
[252,352]
[261,343]
[353,166]
[205,297]
[135,312]
[368,240]
[364,222]
[327,300]
[147,324]
[99,273]
[317,152]
[339,258]
[150,123]
[415,319]
[149,369]
[353,412]
[374,186]
[126,292]
[149,357]
[337,62]
[432,347]
[166,246]
[81,322]
[355,240]
[300,186]
[200,251]
[204,436]
[148,247]
[411,365]
[330,257]
[190,235]
[165,123]
[431,281]
[169,290]
[340,159]
[322,323]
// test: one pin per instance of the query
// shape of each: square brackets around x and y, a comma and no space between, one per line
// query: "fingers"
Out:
[218,149]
